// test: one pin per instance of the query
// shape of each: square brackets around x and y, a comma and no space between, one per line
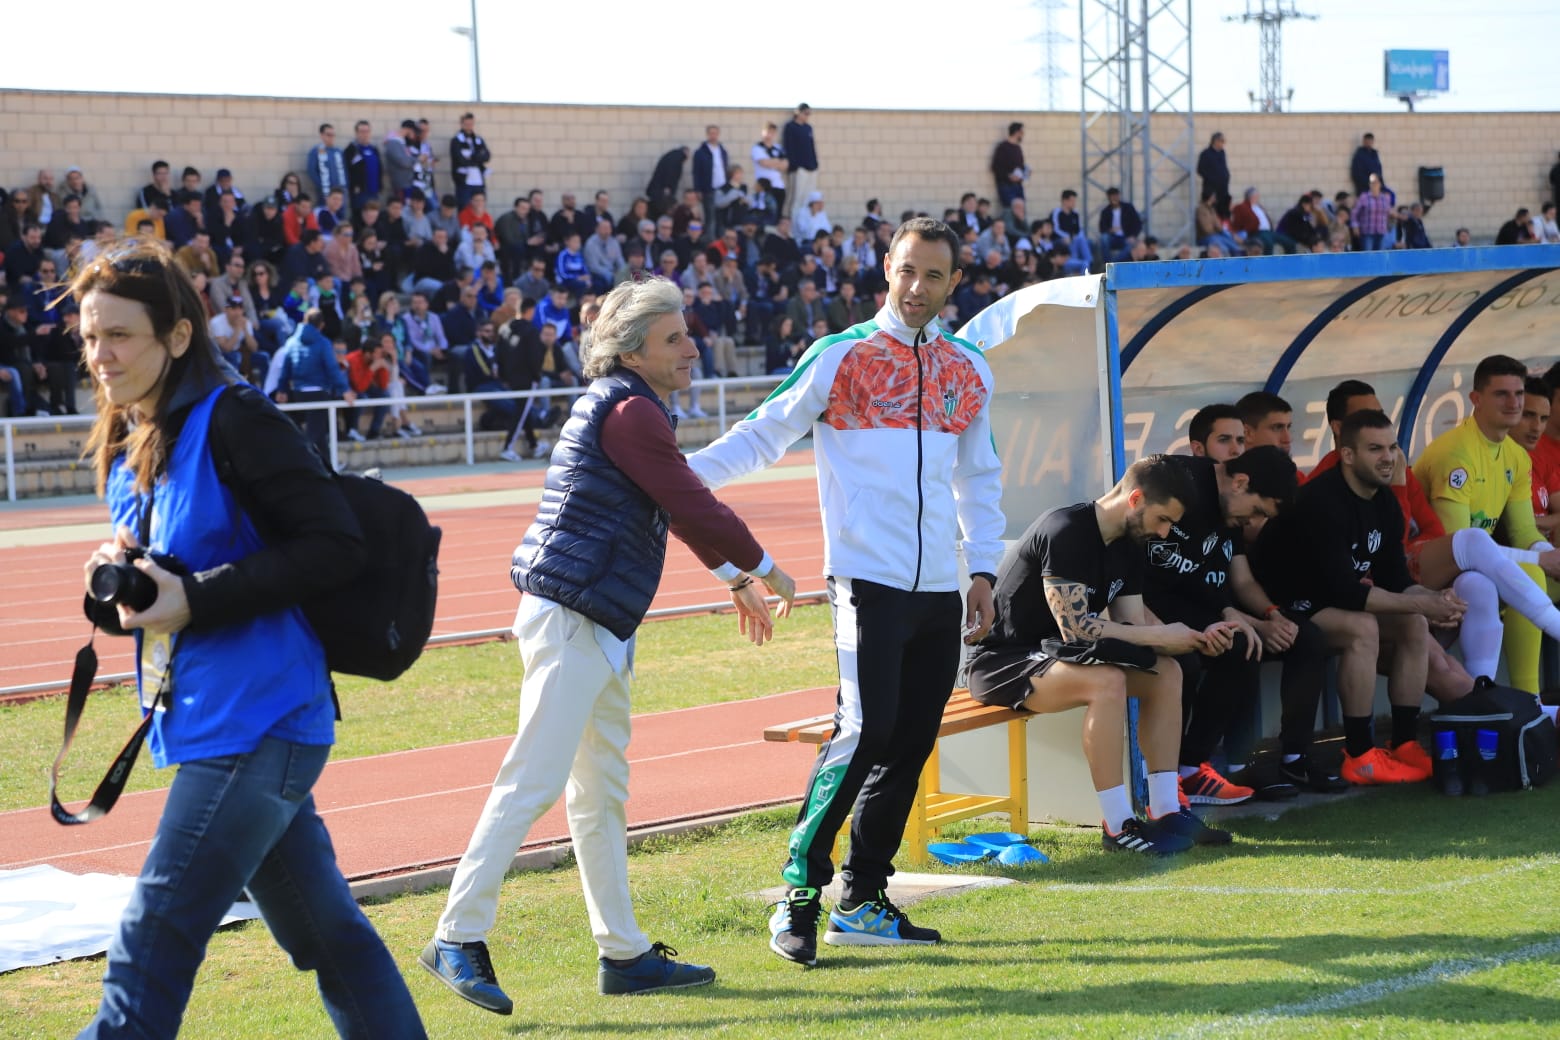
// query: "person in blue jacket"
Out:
[310,371]
[235,676]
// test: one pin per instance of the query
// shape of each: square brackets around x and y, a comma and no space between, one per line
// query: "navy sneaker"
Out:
[467,969]
[1149,836]
[793,927]
[1188,824]
[1307,773]
[876,922]
[653,970]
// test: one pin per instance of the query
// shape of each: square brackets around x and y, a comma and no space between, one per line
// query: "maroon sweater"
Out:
[637,438]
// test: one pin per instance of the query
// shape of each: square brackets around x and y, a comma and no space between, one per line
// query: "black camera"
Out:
[116,583]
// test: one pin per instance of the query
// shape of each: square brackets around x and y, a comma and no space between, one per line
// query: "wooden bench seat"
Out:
[934,807]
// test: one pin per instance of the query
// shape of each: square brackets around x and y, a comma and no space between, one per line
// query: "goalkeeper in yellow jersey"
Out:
[1477,476]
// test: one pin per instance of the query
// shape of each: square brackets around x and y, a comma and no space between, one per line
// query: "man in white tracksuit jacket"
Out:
[899,413]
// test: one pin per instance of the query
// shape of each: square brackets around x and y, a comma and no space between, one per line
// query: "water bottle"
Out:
[1449,767]
[1489,747]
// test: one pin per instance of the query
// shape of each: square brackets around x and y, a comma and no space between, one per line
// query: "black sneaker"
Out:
[1305,772]
[793,927]
[1267,781]
[1188,824]
[876,922]
[1152,837]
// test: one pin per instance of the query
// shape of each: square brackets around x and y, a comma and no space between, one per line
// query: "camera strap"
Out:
[81,678]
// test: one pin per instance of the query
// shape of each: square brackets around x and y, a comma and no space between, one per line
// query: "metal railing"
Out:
[721,388]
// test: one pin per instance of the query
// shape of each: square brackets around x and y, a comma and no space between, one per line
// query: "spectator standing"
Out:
[310,371]
[469,157]
[710,166]
[1554,182]
[770,166]
[1007,165]
[801,153]
[400,160]
[427,163]
[91,203]
[664,181]
[1370,214]
[159,191]
[1213,167]
[364,166]
[1366,161]
[327,169]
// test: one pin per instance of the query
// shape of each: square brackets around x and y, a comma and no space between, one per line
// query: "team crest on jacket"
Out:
[1209,542]
[951,405]
[1373,541]
[1457,478]
[1115,587]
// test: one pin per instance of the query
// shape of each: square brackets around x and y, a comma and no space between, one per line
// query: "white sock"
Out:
[1185,771]
[1481,628]
[1475,550]
[1553,711]
[1115,807]
[1164,793]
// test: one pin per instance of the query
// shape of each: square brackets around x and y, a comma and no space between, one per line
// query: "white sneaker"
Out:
[542,450]
[697,413]
[412,430]
[406,432]
[509,456]
[434,389]
[355,437]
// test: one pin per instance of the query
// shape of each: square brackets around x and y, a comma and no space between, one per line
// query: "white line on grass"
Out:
[1440,971]
[1536,863]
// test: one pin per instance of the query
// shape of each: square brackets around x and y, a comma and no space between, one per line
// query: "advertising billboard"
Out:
[1416,72]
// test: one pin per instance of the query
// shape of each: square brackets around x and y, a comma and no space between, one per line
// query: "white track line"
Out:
[1440,971]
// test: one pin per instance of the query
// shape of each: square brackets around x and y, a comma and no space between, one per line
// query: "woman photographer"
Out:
[237,677]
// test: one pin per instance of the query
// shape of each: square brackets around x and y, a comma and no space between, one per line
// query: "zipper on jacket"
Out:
[920,501]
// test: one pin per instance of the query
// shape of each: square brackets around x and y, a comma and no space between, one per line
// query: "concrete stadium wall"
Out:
[1494,162]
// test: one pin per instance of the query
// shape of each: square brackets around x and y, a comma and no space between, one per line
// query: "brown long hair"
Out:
[144,270]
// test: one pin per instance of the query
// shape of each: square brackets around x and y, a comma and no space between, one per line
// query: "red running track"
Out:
[394,813]
[41,631]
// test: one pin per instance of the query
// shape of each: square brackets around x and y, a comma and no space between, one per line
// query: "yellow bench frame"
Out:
[934,807]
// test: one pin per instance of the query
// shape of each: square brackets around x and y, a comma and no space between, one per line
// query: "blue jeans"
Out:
[16,394]
[247,821]
[1371,242]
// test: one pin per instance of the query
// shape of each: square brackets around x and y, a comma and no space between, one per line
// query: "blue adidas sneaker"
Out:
[654,970]
[467,969]
[876,922]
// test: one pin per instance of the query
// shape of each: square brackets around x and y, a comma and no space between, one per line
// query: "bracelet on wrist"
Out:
[744,583]
[1271,610]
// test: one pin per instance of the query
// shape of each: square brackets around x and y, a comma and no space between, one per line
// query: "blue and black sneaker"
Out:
[650,971]
[1189,825]
[1148,836]
[793,927]
[876,922]
[467,969]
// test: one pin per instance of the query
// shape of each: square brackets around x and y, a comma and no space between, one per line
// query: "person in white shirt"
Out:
[770,165]
[813,219]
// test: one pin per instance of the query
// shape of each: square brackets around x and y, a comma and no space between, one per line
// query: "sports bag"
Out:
[1516,749]
[377,624]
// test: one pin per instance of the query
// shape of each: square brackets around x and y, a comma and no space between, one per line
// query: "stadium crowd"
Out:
[395,235]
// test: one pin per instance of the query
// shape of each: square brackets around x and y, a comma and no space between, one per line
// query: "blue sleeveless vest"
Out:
[229,687]
[598,542]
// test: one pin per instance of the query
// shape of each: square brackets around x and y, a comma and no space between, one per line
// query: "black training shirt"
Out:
[1193,564]
[1064,543]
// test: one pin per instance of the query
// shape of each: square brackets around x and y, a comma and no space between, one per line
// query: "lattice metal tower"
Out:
[1270,16]
[1051,41]
[1136,112]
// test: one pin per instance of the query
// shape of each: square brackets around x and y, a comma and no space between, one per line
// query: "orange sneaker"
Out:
[1411,754]
[1207,787]
[1378,766]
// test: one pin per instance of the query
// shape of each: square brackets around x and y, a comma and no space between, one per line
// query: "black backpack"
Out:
[377,624]
[1524,741]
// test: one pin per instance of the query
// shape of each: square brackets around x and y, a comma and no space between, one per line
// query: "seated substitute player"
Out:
[1337,556]
[1269,419]
[1478,477]
[1189,580]
[1482,573]
[1058,582]
[1537,406]
[1217,432]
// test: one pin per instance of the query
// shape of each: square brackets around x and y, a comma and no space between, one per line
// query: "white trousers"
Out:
[574,730]
[803,183]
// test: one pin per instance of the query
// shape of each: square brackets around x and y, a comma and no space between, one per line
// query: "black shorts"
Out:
[1000,676]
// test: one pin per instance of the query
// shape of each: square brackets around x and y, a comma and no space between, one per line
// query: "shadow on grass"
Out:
[1341,961]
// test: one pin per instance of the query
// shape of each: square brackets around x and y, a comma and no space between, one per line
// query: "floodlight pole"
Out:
[470,32]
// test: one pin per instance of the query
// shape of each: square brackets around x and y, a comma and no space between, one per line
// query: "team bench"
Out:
[934,807]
